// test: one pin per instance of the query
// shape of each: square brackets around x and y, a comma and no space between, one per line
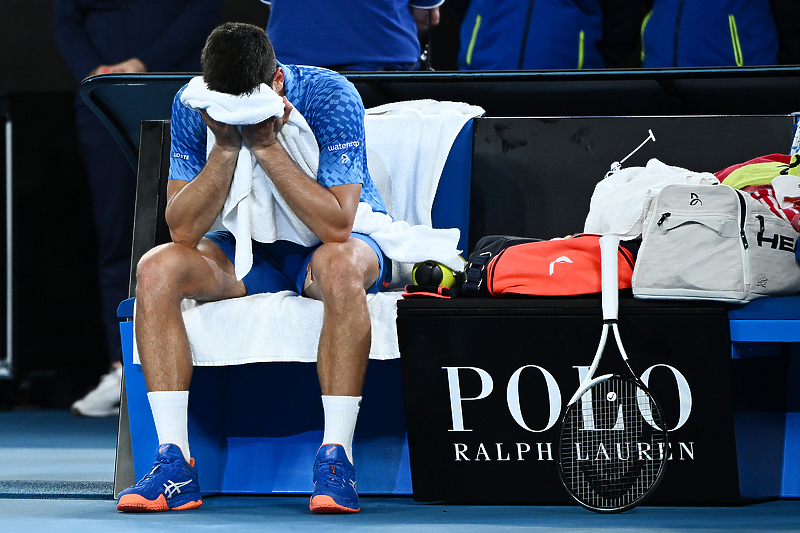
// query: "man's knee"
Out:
[160,268]
[352,265]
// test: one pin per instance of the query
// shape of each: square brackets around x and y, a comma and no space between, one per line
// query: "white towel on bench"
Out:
[276,327]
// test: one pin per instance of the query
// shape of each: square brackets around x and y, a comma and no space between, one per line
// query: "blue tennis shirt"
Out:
[333,110]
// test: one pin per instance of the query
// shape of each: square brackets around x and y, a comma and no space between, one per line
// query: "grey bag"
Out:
[713,242]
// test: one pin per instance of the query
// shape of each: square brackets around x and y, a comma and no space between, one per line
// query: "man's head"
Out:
[237,58]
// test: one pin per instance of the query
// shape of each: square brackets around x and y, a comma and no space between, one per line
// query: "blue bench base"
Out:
[255,429]
[770,327]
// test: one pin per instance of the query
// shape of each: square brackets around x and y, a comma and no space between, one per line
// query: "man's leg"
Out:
[165,276]
[342,274]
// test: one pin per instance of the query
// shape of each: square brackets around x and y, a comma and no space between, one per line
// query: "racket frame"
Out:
[609,245]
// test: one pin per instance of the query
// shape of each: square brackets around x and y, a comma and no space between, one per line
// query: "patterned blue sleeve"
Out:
[188,144]
[335,112]
[341,136]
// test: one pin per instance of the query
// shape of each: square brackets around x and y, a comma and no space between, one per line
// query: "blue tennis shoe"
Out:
[170,486]
[334,482]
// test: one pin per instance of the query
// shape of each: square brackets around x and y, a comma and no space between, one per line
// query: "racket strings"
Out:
[613,446]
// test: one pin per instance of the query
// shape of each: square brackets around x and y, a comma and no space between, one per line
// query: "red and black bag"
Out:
[504,265]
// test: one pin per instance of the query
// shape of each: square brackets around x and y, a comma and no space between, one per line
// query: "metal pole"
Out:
[6,368]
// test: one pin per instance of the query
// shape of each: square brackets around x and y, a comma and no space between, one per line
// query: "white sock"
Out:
[341,413]
[170,413]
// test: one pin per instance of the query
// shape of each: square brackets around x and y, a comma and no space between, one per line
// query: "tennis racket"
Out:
[614,446]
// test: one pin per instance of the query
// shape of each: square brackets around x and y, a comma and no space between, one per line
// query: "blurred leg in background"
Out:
[112,183]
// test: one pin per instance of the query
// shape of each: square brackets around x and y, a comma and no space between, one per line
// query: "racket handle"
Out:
[609,268]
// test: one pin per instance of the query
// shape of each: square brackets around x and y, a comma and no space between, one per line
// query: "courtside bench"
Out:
[534,176]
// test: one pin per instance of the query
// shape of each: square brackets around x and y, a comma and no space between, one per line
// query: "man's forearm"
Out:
[193,206]
[328,216]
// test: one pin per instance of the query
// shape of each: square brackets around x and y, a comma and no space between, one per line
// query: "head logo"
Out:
[562,259]
[695,200]
[345,159]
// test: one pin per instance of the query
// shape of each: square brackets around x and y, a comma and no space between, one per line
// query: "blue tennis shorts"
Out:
[282,265]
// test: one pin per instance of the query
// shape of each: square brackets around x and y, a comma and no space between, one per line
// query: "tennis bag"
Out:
[503,265]
[714,242]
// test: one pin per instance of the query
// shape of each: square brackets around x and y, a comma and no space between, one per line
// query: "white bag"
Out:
[713,242]
[622,199]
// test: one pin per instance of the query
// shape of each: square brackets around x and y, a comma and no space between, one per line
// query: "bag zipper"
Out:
[743,236]
[742,215]
[761,229]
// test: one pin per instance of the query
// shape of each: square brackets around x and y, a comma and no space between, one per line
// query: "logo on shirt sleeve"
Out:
[344,159]
[343,146]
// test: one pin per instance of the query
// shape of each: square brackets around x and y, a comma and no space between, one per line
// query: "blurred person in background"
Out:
[121,36]
[550,34]
[352,35]
[722,33]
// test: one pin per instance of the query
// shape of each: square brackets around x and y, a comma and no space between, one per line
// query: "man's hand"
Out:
[265,133]
[132,65]
[426,19]
[227,137]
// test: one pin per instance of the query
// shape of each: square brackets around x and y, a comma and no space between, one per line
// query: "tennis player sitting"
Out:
[340,270]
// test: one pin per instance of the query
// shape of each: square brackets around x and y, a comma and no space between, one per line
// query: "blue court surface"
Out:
[250,513]
[56,475]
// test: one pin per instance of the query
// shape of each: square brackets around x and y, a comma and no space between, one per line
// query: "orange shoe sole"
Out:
[133,503]
[325,505]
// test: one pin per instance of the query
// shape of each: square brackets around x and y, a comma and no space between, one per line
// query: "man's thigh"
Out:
[220,274]
[203,273]
[277,266]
